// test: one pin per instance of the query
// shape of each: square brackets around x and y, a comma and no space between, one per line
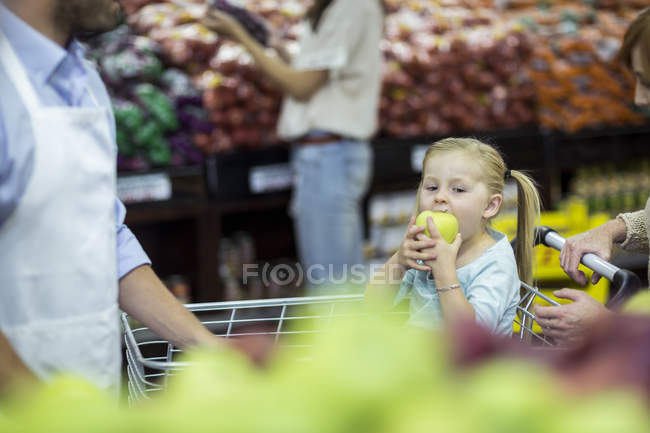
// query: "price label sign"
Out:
[270,178]
[145,187]
[417,156]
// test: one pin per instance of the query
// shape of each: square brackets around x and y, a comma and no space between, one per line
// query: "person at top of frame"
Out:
[331,88]
[569,323]
[476,276]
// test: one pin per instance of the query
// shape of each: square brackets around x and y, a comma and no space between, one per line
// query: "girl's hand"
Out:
[443,253]
[224,24]
[412,248]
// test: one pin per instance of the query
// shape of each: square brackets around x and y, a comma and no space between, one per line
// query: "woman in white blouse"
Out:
[332,89]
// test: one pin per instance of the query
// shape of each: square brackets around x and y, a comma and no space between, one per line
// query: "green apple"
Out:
[638,304]
[446,223]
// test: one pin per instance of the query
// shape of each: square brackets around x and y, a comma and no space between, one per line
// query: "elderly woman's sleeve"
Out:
[636,223]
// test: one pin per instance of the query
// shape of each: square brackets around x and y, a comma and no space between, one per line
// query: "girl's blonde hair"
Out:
[494,173]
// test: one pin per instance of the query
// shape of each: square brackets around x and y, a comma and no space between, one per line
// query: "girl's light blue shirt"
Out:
[490,283]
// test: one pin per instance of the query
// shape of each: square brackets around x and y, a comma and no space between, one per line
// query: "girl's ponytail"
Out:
[528,214]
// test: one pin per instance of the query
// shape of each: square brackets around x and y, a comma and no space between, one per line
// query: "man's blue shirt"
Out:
[60,77]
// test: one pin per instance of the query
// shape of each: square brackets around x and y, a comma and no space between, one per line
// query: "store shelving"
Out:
[207,214]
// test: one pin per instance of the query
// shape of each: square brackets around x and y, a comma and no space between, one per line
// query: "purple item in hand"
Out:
[253,23]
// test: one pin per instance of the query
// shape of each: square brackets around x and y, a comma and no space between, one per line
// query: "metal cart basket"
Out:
[151,360]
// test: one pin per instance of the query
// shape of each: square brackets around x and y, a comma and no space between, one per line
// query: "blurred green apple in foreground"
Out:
[446,223]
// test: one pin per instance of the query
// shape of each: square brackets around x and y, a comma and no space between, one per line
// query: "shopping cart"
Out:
[150,360]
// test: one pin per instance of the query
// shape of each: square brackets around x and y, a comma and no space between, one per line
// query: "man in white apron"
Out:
[59,218]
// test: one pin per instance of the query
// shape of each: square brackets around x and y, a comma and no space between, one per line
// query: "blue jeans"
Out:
[331,180]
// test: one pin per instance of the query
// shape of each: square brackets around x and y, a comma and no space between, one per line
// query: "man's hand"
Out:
[145,297]
[568,324]
[257,347]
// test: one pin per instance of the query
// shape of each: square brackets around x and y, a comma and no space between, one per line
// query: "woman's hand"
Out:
[598,241]
[410,249]
[442,252]
[224,24]
[568,324]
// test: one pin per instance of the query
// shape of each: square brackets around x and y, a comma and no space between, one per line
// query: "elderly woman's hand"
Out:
[569,323]
[599,241]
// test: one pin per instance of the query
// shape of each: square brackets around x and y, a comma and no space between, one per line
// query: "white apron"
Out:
[58,265]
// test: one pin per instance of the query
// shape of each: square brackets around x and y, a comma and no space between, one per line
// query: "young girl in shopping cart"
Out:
[477,275]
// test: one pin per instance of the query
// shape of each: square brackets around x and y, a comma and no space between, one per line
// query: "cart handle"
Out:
[624,283]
